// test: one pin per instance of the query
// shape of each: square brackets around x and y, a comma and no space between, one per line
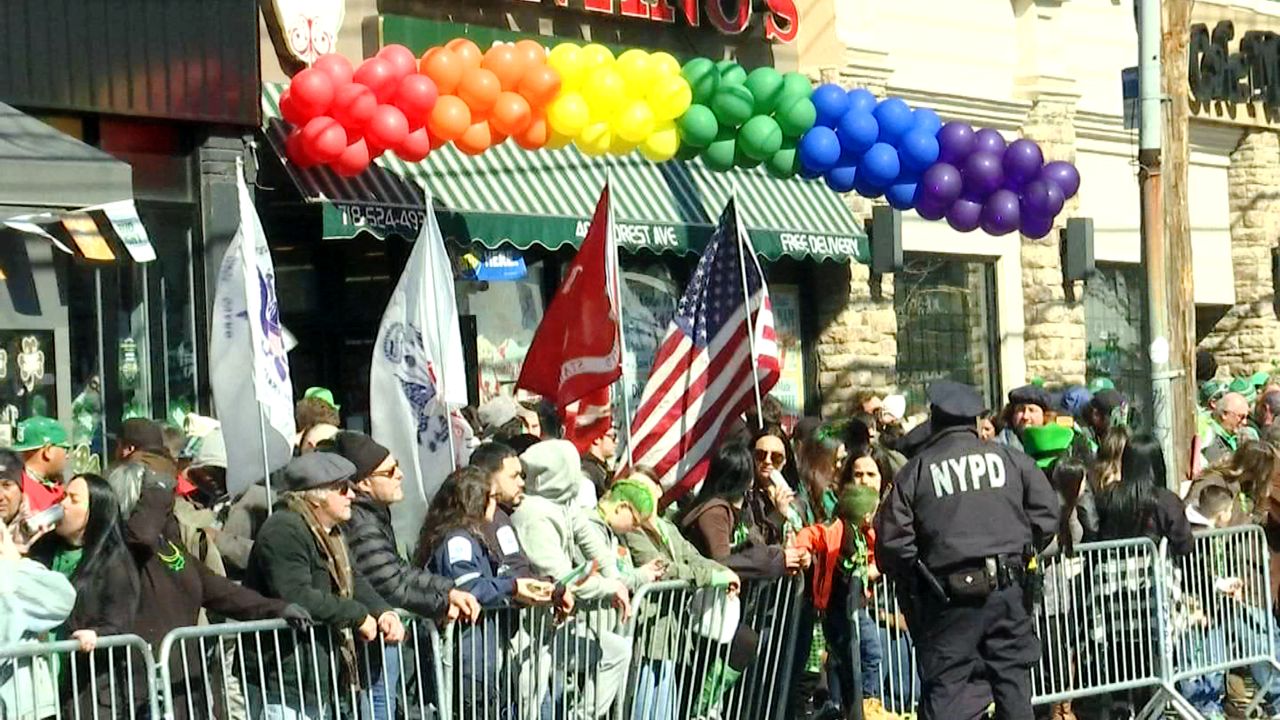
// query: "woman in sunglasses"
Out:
[771,503]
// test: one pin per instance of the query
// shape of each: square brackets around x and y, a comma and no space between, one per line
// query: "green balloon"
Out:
[698,126]
[785,163]
[760,137]
[765,85]
[719,155]
[687,152]
[796,83]
[731,73]
[795,115]
[733,105]
[703,77]
[742,159]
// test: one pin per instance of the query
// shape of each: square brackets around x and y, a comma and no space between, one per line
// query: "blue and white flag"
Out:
[248,362]
[417,379]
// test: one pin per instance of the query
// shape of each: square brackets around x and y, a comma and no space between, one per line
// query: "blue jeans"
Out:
[871,656]
[378,701]
[655,691]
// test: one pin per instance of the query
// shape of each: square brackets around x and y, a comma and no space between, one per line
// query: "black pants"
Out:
[991,641]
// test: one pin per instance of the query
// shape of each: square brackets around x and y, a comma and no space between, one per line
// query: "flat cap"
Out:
[1030,395]
[956,399]
[315,470]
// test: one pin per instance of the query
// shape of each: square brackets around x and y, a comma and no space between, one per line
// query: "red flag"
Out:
[588,418]
[575,349]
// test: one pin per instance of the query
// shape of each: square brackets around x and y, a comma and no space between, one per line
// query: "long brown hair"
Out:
[460,503]
[1251,468]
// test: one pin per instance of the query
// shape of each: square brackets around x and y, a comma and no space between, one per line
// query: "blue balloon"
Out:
[865,188]
[880,165]
[901,196]
[831,102]
[819,149]
[918,150]
[857,132]
[861,100]
[895,119]
[809,173]
[926,120]
[842,178]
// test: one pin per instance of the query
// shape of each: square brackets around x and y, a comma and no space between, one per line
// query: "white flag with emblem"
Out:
[417,379]
[249,366]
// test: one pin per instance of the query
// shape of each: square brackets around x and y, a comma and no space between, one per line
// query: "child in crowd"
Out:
[1212,509]
[844,567]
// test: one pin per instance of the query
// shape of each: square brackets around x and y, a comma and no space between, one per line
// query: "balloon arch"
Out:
[344,117]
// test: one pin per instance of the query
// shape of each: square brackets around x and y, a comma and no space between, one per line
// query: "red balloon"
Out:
[401,58]
[337,67]
[353,105]
[296,150]
[289,111]
[415,98]
[323,139]
[379,75]
[437,142]
[415,147]
[311,92]
[353,160]
[387,127]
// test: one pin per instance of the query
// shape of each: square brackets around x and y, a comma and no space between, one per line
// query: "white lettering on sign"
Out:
[633,235]
[800,243]
[781,17]
[968,473]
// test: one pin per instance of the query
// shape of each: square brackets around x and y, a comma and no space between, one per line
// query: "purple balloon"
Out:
[1000,214]
[988,141]
[1064,175]
[955,143]
[1022,162]
[982,175]
[1042,199]
[930,210]
[964,215]
[1034,226]
[940,185]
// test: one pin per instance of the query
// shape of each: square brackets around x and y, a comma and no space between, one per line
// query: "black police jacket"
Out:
[960,500]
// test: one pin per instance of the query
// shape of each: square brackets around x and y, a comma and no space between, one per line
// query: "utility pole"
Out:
[1166,246]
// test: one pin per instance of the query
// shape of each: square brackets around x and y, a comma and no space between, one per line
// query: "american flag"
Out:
[702,374]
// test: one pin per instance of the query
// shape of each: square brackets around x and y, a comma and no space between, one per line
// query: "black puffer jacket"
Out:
[374,552]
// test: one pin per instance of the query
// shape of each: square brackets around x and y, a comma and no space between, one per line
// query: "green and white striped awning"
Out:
[511,196]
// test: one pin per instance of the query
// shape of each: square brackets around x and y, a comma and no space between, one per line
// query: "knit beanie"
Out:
[361,450]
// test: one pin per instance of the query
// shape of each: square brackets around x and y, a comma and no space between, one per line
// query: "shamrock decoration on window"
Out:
[30,363]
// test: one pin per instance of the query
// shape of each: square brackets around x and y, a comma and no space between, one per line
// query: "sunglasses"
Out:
[777,459]
[394,471]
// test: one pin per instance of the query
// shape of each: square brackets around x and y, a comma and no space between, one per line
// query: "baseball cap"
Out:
[36,432]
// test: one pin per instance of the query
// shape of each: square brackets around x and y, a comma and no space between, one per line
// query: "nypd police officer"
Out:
[955,532]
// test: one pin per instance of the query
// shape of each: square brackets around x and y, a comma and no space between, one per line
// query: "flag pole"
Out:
[440,342]
[615,291]
[266,462]
[744,252]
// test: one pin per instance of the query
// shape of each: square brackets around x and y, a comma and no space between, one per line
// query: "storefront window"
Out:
[506,314]
[1113,302]
[650,294]
[946,310]
[786,322]
[168,283]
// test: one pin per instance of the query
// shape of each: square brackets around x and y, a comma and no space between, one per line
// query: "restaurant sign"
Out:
[731,17]
[1248,73]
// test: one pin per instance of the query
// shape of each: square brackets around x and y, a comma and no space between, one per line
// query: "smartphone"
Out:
[580,574]
[45,518]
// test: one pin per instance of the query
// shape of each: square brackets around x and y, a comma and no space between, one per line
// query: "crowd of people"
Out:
[536,520]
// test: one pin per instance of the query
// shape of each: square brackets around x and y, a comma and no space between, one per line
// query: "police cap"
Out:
[955,399]
[1030,395]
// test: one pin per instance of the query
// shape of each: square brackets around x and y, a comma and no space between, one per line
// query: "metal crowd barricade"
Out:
[899,678]
[682,637]
[56,680]
[1219,600]
[530,663]
[265,669]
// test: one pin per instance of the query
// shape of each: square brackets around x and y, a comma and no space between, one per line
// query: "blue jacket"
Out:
[472,567]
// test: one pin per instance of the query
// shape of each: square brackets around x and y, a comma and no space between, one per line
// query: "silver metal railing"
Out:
[56,680]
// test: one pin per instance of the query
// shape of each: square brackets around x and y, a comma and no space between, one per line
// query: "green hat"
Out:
[1211,390]
[1045,444]
[323,394]
[1244,387]
[856,502]
[36,432]
[1260,379]
[1099,384]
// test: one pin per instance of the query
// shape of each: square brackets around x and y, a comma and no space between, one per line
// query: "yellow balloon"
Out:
[605,91]
[555,141]
[636,70]
[566,59]
[669,97]
[634,122]
[568,114]
[622,147]
[664,63]
[595,56]
[662,143]
[595,139]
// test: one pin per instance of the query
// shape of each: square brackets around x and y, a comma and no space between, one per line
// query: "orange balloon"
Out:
[534,136]
[466,51]
[449,118]
[479,89]
[540,85]
[476,139]
[511,114]
[506,63]
[444,67]
[532,52]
